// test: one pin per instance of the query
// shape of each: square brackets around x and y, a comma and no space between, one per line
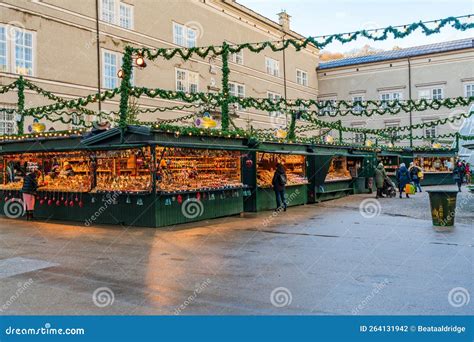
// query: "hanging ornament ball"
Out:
[198,196]
[81,204]
[58,203]
[50,202]
[249,163]
[42,201]
[6,199]
[71,203]
[180,199]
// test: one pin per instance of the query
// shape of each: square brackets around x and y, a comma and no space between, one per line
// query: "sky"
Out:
[324,17]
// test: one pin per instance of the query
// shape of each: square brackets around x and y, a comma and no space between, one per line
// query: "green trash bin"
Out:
[443,207]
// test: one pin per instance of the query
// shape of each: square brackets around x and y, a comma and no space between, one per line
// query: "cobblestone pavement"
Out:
[327,258]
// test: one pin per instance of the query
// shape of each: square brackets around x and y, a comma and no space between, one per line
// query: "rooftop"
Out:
[453,45]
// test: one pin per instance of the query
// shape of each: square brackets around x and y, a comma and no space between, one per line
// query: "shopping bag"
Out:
[409,189]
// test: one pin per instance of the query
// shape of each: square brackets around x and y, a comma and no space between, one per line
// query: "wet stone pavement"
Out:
[328,258]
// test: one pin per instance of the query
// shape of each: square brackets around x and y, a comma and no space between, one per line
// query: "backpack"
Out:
[281,179]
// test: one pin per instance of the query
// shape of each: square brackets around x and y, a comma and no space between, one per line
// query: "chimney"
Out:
[284,19]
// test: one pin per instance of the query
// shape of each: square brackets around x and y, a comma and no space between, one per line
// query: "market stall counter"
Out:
[336,172]
[437,166]
[392,159]
[259,168]
[152,179]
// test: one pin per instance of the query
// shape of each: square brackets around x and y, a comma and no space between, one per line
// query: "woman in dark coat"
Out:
[30,185]
[458,174]
[403,178]
[279,183]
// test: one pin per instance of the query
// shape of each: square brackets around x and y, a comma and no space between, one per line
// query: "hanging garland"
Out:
[319,42]
[62,133]
[21,105]
[215,99]
[6,88]
[357,108]
[52,96]
[75,103]
[336,125]
[225,87]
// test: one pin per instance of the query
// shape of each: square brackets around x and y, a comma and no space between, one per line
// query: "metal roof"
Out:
[402,53]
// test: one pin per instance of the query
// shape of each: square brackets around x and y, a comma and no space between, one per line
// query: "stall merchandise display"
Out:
[125,171]
[390,163]
[295,167]
[435,164]
[60,172]
[185,169]
[338,170]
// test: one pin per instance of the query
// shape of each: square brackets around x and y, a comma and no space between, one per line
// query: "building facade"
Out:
[435,71]
[74,48]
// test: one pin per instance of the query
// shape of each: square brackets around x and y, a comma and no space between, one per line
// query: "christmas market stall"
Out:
[437,165]
[392,158]
[143,177]
[340,171]
[259,168]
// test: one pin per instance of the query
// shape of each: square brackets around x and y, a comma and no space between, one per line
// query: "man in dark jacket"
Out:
[458,174]
[279,183]
[403,178]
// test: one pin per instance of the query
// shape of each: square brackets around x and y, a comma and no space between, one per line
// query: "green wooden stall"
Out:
[149,209]
[437,166]
[262,198]
[358,178]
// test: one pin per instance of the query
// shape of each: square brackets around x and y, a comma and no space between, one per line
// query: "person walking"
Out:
[415,174]
[279,184]
[458,174]
[403,178]
[30,185]
[380,175]
[468,173]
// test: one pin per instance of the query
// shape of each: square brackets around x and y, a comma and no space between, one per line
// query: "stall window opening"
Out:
[186,169]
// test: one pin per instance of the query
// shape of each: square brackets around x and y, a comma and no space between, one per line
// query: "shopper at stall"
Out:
[458,174]
[30,185]
[279,184]
[416,174]
[403,178]
[380,175]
